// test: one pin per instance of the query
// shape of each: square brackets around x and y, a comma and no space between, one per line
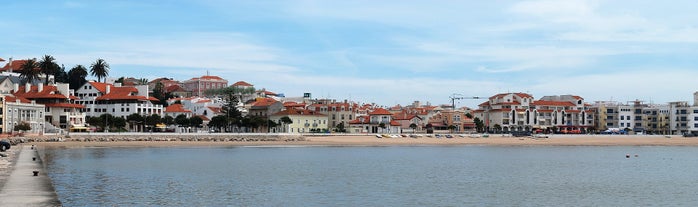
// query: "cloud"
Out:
[225,53]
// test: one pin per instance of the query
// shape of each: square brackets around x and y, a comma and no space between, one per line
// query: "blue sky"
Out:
[386,52]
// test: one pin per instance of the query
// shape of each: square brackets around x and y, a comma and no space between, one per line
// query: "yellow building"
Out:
[302,121]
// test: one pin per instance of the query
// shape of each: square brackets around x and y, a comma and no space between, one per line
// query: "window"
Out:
[622,118]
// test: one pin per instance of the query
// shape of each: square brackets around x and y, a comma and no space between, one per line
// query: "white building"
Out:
[17,110]
[119,101]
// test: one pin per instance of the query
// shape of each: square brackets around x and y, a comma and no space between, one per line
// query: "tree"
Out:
[196,121]
[22,127]
[100,69]
[95,121]
[152,120]
[118,123]
[286,121]
[497,128]
[30,72]
[271,124]
[108,120]
[47,66]
[168,120]
[340,127]
[60,76]
[76,77]
[470,116]
[182,120]
[479,125]
[134,119]
[382,126]
[413,126]
[218,122]
[451,128]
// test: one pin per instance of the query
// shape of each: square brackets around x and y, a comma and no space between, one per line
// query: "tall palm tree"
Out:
[100,69]
[76,76]
[29,71]
[47,66]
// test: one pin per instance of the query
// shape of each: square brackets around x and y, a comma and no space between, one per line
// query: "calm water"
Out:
[376,176]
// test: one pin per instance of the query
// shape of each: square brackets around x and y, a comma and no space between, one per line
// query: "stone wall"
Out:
[96,137]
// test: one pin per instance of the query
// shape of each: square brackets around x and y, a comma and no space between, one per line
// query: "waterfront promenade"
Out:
[22,188]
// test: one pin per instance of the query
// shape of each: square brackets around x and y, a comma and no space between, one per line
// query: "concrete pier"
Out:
[23,188]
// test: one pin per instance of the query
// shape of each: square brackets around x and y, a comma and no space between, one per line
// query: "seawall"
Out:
[25,188]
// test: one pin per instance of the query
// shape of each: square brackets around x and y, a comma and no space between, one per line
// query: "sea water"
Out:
[376,176]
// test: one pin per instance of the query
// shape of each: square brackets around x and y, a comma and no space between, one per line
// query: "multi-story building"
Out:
[303,121]
[520,112]
[119,101]
[60,108]
[337,112]
[16,110]
[377,121]
[197,86]
[175,110]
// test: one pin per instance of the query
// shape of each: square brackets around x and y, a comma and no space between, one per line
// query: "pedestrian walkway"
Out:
[22,188]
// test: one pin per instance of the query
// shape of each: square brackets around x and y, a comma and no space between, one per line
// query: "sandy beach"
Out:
[372,140]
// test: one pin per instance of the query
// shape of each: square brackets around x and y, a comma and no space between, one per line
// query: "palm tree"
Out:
[47,66]
[30,71]
[100,69]
[76,76]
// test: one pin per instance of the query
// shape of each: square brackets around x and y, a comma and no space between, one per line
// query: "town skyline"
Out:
[386,53]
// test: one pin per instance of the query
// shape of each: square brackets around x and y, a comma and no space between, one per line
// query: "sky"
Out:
[385,52]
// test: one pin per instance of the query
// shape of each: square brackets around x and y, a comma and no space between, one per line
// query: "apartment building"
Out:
[16,110]
[303,121]
[197,86]
[337,112]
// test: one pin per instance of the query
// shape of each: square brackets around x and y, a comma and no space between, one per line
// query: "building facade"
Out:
[197,86]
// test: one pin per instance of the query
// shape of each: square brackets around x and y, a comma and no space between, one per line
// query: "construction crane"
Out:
[457,96]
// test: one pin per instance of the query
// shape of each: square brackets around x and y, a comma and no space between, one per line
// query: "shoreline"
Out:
[371,140]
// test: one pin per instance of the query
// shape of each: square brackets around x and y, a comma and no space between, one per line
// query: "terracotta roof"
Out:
[124,93]
[211,77]
[509,103]
[16,65]
[545,110]
[2,60]
[394,123]
[204,118]
[298,112]
[215,109]
[522,95]
[294,104]
[101,87]
[553,103]
[380,111]
[65,105]
[264,102]
[14,99]
[48,92]
[486,103]
[578,97]
[176,108]
[242,83]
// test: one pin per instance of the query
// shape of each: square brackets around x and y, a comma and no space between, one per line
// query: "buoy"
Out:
[33,158]
[636,155]
[36,173]
[627,155]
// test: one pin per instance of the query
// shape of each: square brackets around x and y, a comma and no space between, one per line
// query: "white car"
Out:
[540,136]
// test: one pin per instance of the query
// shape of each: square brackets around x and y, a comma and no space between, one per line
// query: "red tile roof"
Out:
[2,60]
[174,88]
[366,120]
[545,110]
[380,111]
[14,99]
[264,102]
[553,103]
[65,105]
[101,87]
[242,83]
[204,118]
[48,92]
[16,65]
[176,108]
[216,110]
[211,77]
[124,93]
[522,95]
[294,104]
